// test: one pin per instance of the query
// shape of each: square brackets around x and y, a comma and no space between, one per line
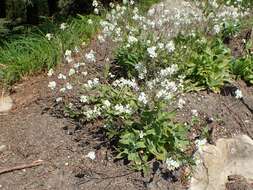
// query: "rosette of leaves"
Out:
[206,64]
[243,68]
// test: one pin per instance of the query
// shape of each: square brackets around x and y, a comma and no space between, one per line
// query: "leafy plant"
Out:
[243,67]
[140,131]
[129,57]
[206,64]
[230,28]
[152,135]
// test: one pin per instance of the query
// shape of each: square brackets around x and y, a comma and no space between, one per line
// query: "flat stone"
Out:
[5,104]
[232,156]
[3,148]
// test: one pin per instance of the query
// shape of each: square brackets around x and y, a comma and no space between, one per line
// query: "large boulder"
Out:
[228,157]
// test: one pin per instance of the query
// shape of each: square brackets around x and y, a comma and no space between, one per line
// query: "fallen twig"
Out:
[11,169]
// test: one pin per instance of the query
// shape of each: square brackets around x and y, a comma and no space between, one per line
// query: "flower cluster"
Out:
[133,107]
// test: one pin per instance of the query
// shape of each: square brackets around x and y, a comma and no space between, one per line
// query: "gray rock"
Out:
[229,157]
[5,103]
[3,148]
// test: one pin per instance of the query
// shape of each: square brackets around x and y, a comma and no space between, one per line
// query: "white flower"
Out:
[152,52]
[132,39]
[106,103]
[94,3]
[70,105]
[131,2]
[164,94]
[91,155]
[61,76]
[50,72]
[170,46]
[59,99]
[194,113]
[69,86]
[92,113]
[181,103]
[160,45]
[63,89]
[125,2]
[216,29]
[90,56]
[111,75]
[124,82]
[238,94]
[63,26]
[92,83]
[69,59]
[151,12]
[84,73]
[90,21]
[68,52]
[172,164]
[76,65]
[122,109]
[200,143]
[141,135]
[101,38]
[168,71]
[83,99]
[111,4]
[49,36]
[96,11]
[52,85]
[142,98]
[72,71]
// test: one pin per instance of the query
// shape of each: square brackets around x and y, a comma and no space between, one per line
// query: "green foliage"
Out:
[27,55]
[152,135]
[78,31]
[146,132]
[146,4]
[129,57]
[243,68]
[205,63]
[241,4]
[230,28]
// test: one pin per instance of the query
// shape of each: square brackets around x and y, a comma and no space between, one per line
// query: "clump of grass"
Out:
[26,55]
[32,53]
[78,31]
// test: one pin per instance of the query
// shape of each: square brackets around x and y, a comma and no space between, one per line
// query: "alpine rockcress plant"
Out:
[133,103]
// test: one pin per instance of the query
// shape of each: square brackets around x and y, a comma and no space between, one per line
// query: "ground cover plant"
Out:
[143,86]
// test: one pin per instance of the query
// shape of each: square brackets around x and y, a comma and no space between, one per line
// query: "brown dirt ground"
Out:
[31,133]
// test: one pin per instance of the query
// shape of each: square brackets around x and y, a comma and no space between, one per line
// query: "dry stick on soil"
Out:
[11,169]
[104,178]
